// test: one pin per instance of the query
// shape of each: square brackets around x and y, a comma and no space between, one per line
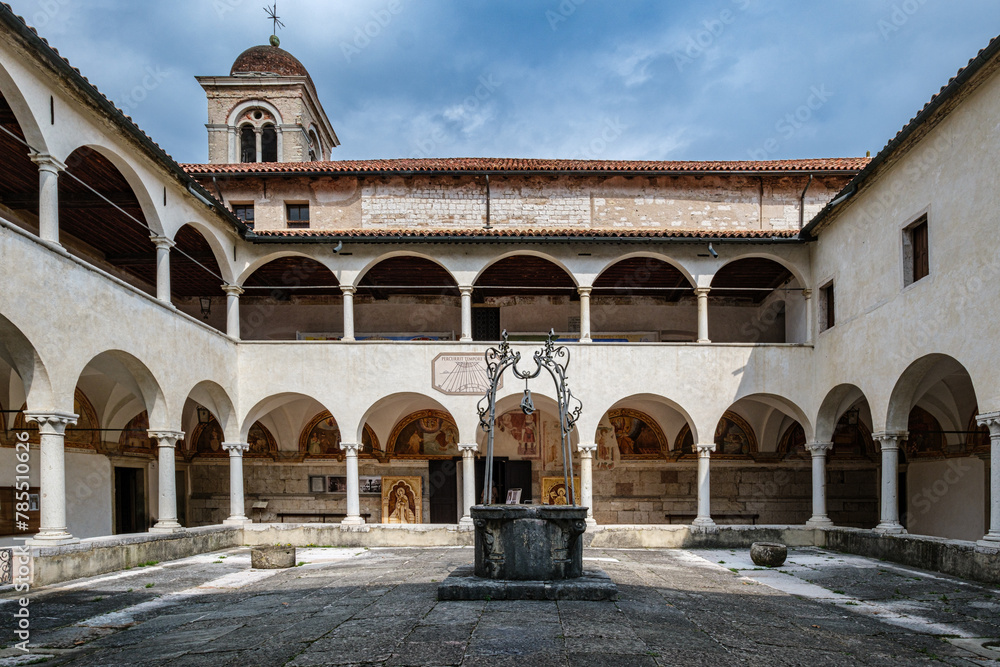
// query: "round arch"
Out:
[401,253]
[19,353]
[26,119]
[213,238]
[779,403]
[260,262]
[385,413]
[918,378]
[797,273]
[131,176]
[132,376]
[666,259]
[837,401]
[526,253]
[271,404]
[247,105]
[653,399]
[213,397]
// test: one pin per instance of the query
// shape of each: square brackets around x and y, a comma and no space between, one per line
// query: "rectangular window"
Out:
[829,309]
[297,215]
[245,213]
[921,260]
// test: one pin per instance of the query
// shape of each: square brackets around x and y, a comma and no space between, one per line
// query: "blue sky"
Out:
[622,79]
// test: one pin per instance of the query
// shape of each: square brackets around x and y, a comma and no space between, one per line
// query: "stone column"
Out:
[468,450]
[889,444]
[991,420]
[702,294]
[52,472]
[466,291]
[704,517]
[237,508]
[166,443]
[587,479]
[48,196]
[259,137]
[584,293]
[163,246]
[353,517]
[807,295]
[818,451]
[233,293]
[348,292]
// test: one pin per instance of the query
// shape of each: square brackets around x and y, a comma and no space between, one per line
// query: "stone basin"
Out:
[529,542]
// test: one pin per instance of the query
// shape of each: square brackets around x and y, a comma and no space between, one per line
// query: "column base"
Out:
[586,340]
[353,521]
[466,523]
[990,541]
[52,540]
[236,521]
[819,522]
[465,339]
[167,527]
[890,529]
[703,521]
[591,522]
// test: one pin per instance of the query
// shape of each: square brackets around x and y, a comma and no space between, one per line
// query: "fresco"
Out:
[401,500]
[320,439]
[426,434]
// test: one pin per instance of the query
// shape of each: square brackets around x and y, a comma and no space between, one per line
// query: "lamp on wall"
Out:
[206,306]
[204,416]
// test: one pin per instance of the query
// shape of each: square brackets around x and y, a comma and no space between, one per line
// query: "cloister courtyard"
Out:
[378,606]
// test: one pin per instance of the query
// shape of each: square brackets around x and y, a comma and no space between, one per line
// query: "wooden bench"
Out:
[738,517]
[308,517]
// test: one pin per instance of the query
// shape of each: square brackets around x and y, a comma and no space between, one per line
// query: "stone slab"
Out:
[462,584]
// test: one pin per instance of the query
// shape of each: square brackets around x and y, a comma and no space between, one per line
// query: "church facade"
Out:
[278,336]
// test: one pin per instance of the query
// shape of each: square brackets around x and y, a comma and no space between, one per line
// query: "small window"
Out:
[916,253]
[297,214]
[269,144]
[248,144]
[828,309]
[245,213]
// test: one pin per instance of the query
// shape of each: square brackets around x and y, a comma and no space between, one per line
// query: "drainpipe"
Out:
[802,203]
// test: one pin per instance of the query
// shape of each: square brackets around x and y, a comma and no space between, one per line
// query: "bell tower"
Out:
[266,110]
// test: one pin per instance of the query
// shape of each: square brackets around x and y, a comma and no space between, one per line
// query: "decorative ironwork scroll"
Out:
[554,360]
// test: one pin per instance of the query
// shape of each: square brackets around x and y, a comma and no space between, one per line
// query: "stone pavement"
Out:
[357,606]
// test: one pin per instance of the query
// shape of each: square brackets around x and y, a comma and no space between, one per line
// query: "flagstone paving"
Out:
[378,607]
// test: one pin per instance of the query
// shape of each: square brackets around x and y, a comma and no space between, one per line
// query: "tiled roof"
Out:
[937,100]
[478,165]
[520,232]
[268,59]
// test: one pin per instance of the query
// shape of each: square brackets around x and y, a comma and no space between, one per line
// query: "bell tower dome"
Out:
[266,110]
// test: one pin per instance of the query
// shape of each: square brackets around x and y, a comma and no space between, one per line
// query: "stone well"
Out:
[529,542]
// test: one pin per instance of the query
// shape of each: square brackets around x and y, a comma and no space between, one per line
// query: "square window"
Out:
[828,309]
[916,251]
[297,215]
[245,213]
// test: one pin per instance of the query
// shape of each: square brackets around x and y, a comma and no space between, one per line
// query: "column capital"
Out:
[889,440]
[236,449]
[702,291]
[704,449]
[584,291]
[819,448]
[52,423]
[48,163]
[471,447]
[165,438]
[232,290]
[351,448]
[587,449]
[465,290]
[161,242]
[990,420]
[348,290]
[807,293]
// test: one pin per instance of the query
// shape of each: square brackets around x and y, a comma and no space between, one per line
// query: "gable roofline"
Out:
[947,93]
[63,67]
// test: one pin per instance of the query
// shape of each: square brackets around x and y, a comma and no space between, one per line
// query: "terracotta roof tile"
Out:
[522,232]
[429,165]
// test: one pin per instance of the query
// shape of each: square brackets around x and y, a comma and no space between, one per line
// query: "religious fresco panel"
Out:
[926,438]
[522,433]
[85,434]
[554,491]
[402,501]
[320,439]
[637,435]
[793,443]
[852,439]
[426,434]
[207,441]
[135,437]
[734,439]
